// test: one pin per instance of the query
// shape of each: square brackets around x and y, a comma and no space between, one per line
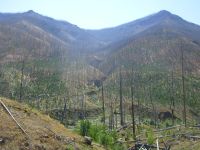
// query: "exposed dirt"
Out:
[43,132]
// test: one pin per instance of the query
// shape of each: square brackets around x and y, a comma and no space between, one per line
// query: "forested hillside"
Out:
[143,74]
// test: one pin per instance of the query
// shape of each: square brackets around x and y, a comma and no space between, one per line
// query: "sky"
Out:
[97,14]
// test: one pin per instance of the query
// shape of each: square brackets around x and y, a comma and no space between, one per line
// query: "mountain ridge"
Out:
[66,39]
[153,18]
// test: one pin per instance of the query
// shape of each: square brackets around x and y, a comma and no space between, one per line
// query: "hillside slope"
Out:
[43,132]
[155,40]
[32,31]
[130,29]
[151,46]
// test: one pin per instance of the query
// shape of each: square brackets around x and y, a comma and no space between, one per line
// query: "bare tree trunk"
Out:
[132,111]
[116,121]
[111,115]
[121,100]
[103,104]
[138,99]
[82,106]
[183,86]
[64,116]
[21,81]
[152,104]
[84,102]
[172,96]
[124,109]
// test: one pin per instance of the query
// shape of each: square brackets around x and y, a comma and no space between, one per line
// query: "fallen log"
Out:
[169,128]
[10,114]
[197,126]
[124,127]
[192,137]
[20,127]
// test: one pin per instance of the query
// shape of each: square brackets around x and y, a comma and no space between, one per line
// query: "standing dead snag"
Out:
[115,113]
[183,85]
[64,115]
[120,96]
[21,81]
[132,107]
[172,106]
[152,103]
[103,104]
[111,116]
[132,112]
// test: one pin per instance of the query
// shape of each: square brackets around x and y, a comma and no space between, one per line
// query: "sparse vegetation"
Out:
[120,86]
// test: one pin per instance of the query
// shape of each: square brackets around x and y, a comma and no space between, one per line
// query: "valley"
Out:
[122,86]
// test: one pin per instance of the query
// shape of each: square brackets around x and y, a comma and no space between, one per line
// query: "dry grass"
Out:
[44,132]
[187,145]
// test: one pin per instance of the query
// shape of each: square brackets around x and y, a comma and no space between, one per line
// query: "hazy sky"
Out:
[94,14]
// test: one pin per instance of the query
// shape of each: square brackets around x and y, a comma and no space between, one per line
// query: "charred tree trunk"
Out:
[111,118]
[103,104]
[116,121]
[21,81]
[183,86]
[121,100]
[64,116]
[132,112]
[172,96]
[132,105]
[152,104]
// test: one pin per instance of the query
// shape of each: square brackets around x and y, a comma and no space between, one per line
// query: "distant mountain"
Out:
[133,28]
[156,39]
[159,35]
[53,52]
[42,35]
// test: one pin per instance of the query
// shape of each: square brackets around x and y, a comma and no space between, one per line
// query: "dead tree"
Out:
[64,115]
[152,104]
[172,96]
[183,85]
[21,81]
[111,117]
[103,104]
[115,113]
[132,110]
[121,100]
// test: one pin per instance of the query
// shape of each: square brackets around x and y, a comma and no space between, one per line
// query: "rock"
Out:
[39,147]
[45,136]
[43,140]
[165,115]
[58,137]
[26,144]
[87,140]
[120,141]
[2,141]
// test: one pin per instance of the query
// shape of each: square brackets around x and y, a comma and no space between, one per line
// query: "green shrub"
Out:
[167,124]
[118,146]
[93,132]
[84,127]
[70,147]
[98,133]
[150,136]
[105,139]
[114,135]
